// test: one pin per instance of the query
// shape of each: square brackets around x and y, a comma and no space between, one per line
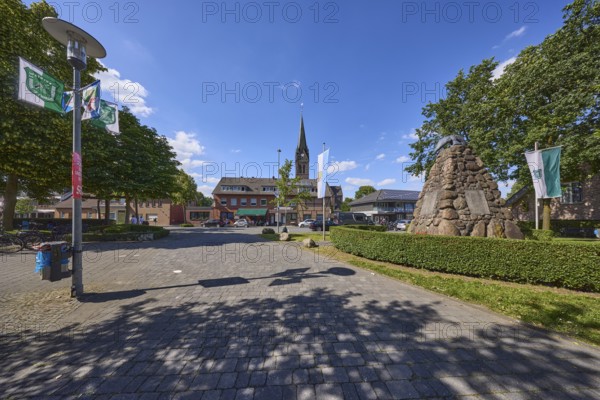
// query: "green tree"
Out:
[548,95]
[24,206]
[36,143]
[185,192]
[203,201]
[290,193]
[345,206]
[363,191]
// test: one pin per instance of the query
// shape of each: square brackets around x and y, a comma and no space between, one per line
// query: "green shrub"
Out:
[544,235]
[376,228]
[186,225]
[568,265]
[120,236]
[268,231]
[122,228]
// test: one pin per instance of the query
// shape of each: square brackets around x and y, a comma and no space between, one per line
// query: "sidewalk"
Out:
[220,314]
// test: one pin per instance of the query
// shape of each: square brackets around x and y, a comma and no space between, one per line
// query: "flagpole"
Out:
[537,216]
[324,189]
[277,213]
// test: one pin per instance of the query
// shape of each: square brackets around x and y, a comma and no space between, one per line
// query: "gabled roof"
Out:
[515,198]
[253,186]
[387,195]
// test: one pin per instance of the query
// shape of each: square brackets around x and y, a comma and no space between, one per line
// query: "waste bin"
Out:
[52,261]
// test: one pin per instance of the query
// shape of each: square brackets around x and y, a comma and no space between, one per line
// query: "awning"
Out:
[252,212]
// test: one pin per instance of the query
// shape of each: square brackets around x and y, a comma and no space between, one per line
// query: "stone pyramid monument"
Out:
[460,198]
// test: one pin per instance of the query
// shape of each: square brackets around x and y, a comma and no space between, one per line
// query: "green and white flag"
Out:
[544,166]
[109,117]
[39,88]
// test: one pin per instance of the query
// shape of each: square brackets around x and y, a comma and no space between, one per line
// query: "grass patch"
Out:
[572,313]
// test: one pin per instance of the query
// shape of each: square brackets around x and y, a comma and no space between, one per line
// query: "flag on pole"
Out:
[323,160]
[39,88]
[109,117]
[544,166]
[90,101]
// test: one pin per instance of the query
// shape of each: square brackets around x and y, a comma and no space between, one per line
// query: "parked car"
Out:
[213,222]
[402,224]
[318,225]
[305,223]
[351,218]
[241,223]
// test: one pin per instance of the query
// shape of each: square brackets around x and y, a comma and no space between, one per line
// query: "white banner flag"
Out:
[322,173]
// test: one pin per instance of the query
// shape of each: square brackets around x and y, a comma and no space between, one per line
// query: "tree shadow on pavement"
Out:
[321,343]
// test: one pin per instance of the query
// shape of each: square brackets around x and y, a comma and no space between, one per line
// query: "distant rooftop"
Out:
[387,195]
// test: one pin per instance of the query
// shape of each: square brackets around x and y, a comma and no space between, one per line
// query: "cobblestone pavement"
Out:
[221,314]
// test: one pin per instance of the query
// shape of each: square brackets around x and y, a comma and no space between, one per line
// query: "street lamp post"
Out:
[277,213]
[79,44]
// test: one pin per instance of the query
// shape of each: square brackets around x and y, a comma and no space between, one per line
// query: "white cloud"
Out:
[411,136]
[236,150]
[206,190]
[367,167]
[341,166]
[386,182]
[497,73]
[360,181]
[188,163]
[380,156]
[402,159]
[125,91]
[186,146]
[517,33]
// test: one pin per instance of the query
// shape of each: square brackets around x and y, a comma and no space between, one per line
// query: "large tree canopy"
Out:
[550,95]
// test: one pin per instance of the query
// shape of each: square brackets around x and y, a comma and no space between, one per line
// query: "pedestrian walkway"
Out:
[211,313]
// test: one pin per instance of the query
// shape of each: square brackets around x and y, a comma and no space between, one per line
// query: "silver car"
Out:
[305,223]
[402,224]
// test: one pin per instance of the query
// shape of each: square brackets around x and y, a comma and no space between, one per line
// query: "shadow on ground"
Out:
[321,343]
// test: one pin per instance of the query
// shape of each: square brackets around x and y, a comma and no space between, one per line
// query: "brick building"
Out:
[253,198]
[579,201]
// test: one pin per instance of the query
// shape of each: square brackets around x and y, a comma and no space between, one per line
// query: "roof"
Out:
[515,198]
[253,186]
[302,147]
[387,195]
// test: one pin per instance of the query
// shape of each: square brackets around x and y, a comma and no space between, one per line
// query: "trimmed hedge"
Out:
[557,225]
[89,222]
[569,265]
[545,235]
[376,228]
[121,236]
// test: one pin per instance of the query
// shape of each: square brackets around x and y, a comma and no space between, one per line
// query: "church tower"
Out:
[302,157]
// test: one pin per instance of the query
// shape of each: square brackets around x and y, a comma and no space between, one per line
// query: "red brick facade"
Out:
[586,209]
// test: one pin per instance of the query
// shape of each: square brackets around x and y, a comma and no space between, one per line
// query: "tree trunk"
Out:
[137,216]
[107,211]
[127,213]
[184,214]
[546,214]
[10,201]
[98,208]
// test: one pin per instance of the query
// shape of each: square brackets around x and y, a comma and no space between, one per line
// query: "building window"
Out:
[223,201]
[234,201]
[253,202]
[293,216]
[307,216]
[63,214]
[89,214]
[243,202]
[263,202]
[571,193]
[160,203]
[197,215]
[409,207]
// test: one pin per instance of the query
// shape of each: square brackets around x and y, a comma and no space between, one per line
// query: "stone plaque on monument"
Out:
[429,203]
[477,202]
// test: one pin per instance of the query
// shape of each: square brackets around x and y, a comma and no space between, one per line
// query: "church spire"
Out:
[302,155]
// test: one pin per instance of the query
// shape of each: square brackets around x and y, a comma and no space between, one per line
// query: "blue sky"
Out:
[225,80]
